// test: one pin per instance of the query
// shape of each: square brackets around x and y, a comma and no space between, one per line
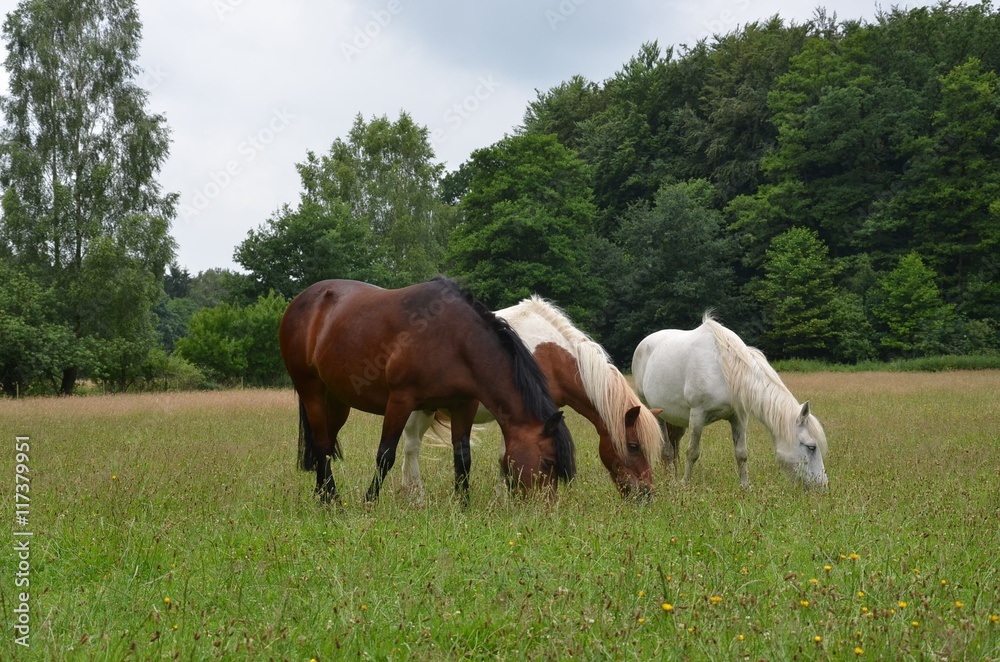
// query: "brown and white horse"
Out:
[580,375]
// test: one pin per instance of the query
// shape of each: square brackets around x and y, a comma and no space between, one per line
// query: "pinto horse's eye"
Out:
[634,448]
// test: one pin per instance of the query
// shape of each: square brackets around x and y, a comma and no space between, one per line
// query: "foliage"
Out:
[910,311]
[233,344]
[33,346]
[526,226]
[675,264]
[369,210]
[806,314]
[82,210]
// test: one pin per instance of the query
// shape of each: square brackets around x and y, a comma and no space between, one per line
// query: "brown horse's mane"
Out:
[529,380]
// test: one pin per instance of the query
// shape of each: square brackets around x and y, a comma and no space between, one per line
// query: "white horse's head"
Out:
[803,458]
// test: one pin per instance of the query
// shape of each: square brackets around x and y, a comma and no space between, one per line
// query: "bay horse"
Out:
[430,346]
[708,374]
[580,375]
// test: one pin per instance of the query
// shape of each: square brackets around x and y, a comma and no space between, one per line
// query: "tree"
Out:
[948,202]
[79,157]
[562,109]
[910,311]
[33,348]
[368,210]
[296,248]
[676,263]
[527,226]
[806,314]
[237,344]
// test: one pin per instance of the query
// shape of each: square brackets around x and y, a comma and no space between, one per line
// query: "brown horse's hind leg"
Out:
[325,419]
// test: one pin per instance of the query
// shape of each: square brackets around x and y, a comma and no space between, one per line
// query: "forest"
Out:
[831,190]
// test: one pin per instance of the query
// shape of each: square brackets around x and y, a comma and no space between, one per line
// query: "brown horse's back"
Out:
[363,342]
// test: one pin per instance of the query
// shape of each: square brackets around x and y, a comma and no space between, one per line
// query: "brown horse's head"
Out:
[535,455]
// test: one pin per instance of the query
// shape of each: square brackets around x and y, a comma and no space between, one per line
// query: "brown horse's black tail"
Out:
[307,443]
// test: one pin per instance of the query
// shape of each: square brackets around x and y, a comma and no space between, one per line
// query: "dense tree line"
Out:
[830,189]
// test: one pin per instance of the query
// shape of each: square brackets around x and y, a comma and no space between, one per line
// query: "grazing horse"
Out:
[708,374]
[579,375]
[428,346]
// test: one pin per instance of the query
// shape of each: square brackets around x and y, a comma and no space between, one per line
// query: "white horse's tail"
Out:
[441,430]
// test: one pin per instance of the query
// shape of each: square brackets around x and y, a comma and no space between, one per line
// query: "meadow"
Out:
[176,526]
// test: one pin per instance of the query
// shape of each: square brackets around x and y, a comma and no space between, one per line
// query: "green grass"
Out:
[176,526]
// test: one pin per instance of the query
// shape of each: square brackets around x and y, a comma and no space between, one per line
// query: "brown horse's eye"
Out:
[548,464]
[633,448]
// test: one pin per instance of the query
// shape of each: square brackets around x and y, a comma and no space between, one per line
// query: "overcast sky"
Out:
[248,87]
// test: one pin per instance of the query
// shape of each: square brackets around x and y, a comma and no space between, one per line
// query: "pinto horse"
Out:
[708,374]
[428,346]
[581,376]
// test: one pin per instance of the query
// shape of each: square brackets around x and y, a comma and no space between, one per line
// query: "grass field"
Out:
[176,526]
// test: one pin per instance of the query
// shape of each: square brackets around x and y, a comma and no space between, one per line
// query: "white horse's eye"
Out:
[810,447]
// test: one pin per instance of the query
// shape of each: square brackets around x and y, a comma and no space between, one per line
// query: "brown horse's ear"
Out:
[632,415]
[656,412]
[552,424]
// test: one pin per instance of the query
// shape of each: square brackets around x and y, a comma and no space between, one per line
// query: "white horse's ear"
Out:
[804,413]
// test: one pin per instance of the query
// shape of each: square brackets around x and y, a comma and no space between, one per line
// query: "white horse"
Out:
[708,374]
[580,375]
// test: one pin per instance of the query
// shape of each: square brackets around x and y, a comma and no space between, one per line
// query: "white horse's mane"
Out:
[605,385]
[755,387]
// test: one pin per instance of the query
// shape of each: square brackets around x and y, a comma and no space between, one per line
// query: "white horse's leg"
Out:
[696,423]
[739,426]
[670,450]
[413,434]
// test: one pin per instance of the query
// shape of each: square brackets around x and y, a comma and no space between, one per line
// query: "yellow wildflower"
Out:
[667,606]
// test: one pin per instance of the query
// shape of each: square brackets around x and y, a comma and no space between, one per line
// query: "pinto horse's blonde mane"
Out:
[755,387]
[606,387]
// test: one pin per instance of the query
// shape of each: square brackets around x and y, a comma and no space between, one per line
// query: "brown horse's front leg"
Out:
[461,430]
[396,413]
[325,487]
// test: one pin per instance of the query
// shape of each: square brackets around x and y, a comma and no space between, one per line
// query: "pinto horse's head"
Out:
[538,456]
[630,466]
